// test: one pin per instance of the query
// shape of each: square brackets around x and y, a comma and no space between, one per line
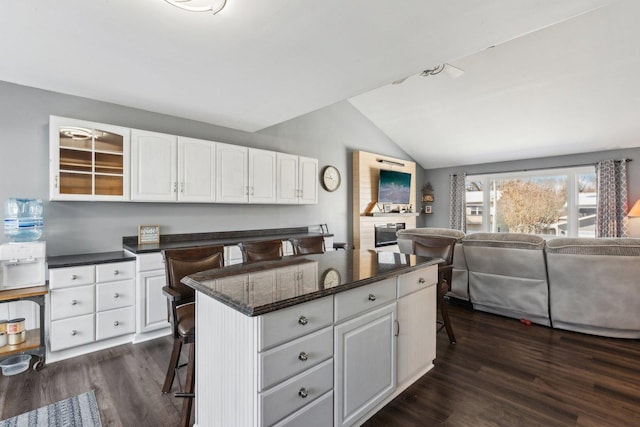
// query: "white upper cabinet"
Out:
[196,170]
[166,168]
[153,166]
[262,176]
[297,179]
[88,161]
[232,166]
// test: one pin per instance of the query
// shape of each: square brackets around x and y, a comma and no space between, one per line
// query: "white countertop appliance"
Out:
[22,264]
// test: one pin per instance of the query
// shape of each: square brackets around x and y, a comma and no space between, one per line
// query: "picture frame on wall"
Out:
[427,209]
[148,234]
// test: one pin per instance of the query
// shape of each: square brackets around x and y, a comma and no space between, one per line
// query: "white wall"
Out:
[329,134]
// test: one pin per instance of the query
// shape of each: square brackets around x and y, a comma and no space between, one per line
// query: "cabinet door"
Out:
[287,178]
[231,166]
[308,181]
[262,176]
[365,353]
[151,303]
[153,166]
[196,170]
[88,161]
[416,333]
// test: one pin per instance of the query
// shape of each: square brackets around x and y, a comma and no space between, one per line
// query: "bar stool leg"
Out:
[187,404]
[443,287]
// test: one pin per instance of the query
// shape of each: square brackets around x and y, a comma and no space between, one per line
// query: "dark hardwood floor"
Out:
[500,373]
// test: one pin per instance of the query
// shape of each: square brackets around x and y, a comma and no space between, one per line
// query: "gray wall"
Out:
[439,178]
[329,135]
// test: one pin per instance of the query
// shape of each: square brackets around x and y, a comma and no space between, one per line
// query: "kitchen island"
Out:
[319,340]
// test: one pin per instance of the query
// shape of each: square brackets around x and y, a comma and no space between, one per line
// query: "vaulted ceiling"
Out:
[541,77]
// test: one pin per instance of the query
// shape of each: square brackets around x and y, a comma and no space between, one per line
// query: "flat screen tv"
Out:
[395,187]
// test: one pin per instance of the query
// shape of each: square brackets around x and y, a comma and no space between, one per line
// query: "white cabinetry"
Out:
[245,175]
[365,350]
[297,179]
[416,349]
[153,166]
[151,304]
[90,304]
[196,170]
[88,161]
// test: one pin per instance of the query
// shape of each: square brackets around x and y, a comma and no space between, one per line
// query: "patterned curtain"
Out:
[612,198]
[457,214]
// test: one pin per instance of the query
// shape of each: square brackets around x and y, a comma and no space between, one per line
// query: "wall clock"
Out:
[331,278]
[331,178]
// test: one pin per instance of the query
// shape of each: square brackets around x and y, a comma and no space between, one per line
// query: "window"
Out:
[555,202]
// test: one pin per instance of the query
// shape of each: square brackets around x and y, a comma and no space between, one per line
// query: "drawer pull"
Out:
[421,280]
[372,297]
[303,393]
[116,295]
[116,272]
[303,320]
[303,356]
[116,323]
[74,333]
[74,277]
[74,302]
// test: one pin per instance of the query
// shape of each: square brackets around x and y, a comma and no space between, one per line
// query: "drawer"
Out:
[71,276]
[114,295]
[364,298]
[72,332]
[148,262]
[289,396]
[292,358]
[318,413]
[114,323]
[289,323]
[72,302]
[115,271]
[416,280]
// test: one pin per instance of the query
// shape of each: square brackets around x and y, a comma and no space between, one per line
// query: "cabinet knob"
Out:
[116,295]
[74,302]
[116,323]
[303,320]
[116,272]
[372,297]
[74,333]
[74,277]
[303,356]
[303,393]
[421,280]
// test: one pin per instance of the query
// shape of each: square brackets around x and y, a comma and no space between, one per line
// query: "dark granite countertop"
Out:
[61,261]
[354,268]
[172,241]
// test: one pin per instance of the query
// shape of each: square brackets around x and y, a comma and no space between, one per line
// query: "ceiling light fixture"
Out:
[213,6]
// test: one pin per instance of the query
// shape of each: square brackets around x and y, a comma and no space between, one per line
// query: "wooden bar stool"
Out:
[182,309]
[264,250]
[307,245]
[439,247]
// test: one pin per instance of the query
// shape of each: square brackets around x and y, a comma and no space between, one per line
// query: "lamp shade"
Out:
[635,210]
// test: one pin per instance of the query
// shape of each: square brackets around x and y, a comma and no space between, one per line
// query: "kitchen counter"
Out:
[337,271]
[226,238]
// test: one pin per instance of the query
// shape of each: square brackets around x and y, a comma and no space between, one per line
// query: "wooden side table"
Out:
[35,343]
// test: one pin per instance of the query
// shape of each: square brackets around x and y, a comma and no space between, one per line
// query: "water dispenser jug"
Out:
[23,219]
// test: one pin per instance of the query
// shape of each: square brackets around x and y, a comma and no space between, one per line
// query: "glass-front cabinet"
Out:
[88,161]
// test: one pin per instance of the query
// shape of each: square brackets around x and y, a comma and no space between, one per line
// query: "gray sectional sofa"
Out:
[589,285]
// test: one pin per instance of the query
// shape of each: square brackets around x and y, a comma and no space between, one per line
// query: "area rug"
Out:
[76,411]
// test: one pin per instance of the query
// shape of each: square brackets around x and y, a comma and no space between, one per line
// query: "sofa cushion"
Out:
[594,246]
[432,231]
[505,240]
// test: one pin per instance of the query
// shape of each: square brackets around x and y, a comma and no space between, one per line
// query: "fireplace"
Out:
[385,234]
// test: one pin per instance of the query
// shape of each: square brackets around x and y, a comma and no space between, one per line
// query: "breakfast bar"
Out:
[323,339]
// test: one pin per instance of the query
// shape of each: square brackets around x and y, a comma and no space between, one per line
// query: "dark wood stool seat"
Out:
[264,250]
[307,245]
[182,313]
[340,245]
[440,247]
